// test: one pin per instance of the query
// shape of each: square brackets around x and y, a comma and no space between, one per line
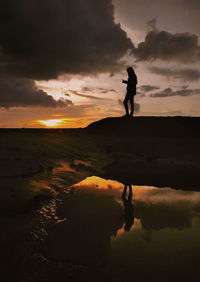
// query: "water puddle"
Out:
[133,232]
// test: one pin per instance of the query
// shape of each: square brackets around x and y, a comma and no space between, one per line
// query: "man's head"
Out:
[130,71]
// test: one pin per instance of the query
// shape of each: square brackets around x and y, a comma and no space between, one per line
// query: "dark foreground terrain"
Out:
[151,151]
[53,231]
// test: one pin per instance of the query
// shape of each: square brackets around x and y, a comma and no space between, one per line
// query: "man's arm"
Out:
[125,81]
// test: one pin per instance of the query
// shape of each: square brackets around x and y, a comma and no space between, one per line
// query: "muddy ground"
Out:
[38,169]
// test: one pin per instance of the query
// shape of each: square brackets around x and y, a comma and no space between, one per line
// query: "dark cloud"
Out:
[165,93]
[184,74]
[108,90]
[152,24]
[192,4]
[86,89]
[182,47]
[169,92]
[97,89]
[148,88]
[24,93]
[74,92]
[173,15]
[41,39]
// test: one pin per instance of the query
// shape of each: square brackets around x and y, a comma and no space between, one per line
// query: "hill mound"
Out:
[147,126]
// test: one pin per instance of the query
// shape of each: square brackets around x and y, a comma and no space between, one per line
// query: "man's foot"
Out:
[125,116]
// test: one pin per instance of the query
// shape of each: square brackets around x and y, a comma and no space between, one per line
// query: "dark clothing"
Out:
[129,97]
[128,208]
[131,92]
[128,214]
[131,84]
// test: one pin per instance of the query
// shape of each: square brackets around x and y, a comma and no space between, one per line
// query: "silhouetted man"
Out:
[128,208]
[131,90]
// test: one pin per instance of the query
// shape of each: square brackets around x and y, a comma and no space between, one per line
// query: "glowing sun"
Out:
[51,122]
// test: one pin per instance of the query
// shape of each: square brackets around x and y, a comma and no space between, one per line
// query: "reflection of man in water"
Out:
[131,90]
[128,208]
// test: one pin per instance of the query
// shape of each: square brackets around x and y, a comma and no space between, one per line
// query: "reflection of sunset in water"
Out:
[97,182]
[127,227]
[153,207]
[101,183]
[147,194]
[62,168]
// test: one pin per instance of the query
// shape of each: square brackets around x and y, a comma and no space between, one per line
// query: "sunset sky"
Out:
[62,61]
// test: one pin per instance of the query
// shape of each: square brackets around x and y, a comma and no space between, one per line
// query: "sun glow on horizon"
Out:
[51,122]
[62,123]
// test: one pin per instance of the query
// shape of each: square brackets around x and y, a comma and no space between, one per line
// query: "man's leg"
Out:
[126,105]
[132,106]
[130,193]
[124,193]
